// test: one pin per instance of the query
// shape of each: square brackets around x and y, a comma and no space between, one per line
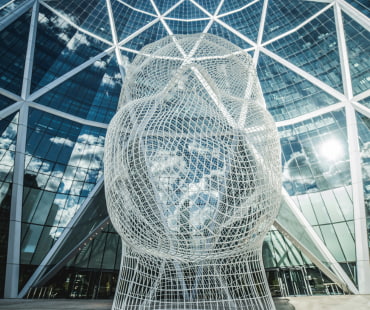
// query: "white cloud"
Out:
[77,40]
[60,140]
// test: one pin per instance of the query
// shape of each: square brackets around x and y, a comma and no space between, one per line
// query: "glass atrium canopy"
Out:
[61,70]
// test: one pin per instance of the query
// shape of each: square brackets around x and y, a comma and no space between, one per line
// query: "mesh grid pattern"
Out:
[192,178]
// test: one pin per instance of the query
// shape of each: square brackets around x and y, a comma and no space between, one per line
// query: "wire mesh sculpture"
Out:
[192,178]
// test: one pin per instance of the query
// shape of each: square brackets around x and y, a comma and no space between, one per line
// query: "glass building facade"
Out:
[62,66]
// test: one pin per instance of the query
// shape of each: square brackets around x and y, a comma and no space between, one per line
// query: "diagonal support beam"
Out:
[311,256]
[39,272]
[338,270]
[7,20]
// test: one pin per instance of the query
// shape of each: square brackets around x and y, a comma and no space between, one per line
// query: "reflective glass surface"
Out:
[247,20]
[9,6]
[59,48]
[63,163]
[283,16]
[8,136]
[364,139]
[5,102]
[315,154]
[358,47]
[91,15]
[314,48]
[91,94]
[287,94]
[13,47]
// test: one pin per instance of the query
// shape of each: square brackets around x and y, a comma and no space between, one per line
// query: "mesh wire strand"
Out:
[192,175]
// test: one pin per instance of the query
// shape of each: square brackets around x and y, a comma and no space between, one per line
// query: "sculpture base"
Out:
[152,283]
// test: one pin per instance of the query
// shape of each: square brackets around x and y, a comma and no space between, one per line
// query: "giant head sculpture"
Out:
[192,177]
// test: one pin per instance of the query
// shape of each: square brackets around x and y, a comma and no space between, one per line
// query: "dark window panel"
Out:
[13,48]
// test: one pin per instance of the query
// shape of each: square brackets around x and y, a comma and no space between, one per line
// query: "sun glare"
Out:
[331,149]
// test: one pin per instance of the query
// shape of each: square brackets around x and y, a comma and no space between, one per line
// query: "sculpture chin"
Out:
[192,165]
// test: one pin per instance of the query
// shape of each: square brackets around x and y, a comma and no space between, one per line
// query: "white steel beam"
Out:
[8,19]
[359,212]
[237,33]
[362,96]
[304,117]
[10,95]
[361,109]
[121,63]
[212,19]
[355,14]
[15,222]
[27,76]
[260,32]
[57,245]
[11,109]
[65,115]
[338,270]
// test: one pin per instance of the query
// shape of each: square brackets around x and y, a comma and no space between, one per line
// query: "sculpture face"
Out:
[192,158]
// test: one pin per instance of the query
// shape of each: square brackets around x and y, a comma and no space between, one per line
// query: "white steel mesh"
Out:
[192,178]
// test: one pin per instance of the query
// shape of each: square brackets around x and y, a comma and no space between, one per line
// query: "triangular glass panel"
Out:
[95,213]
[315,154]
[91,15]
[98,88]
[246,21]
[210,6]
[187,10]
[358,47]
[100,257]
[8,137]
[283,16]
[8,140]
[13,49]
[365,102]
[332,234]
[164,5]
[280,252]
[235,5]
[221,31]
[363,124]
[288,94]
[184,27]
[127,20]
[153,33]
[140,5]
[59,48]
[63,163]
[5,102]
[314,48]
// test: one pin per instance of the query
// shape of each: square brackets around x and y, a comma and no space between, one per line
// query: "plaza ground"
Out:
[339,302]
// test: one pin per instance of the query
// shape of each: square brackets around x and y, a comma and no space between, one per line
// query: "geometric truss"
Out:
[212,17]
